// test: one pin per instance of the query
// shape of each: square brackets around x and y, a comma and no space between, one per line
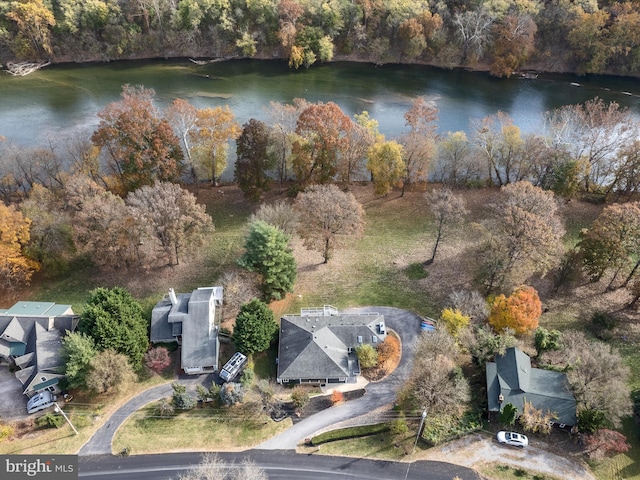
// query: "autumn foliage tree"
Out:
[140,145]
[157,359]
[597,375]
[419,144]
[520,311]
[605,443]
[386,164]
[15,267]
[33,20]
[214,128]
[328,216]
[536,420]
[321,128]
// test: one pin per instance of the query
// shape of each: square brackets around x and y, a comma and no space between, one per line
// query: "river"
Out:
[58,101]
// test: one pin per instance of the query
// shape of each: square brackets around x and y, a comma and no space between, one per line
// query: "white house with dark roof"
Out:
[318,346]
[31,337]
[192,320]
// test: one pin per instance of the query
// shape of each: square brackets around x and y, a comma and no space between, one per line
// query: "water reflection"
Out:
[66,98]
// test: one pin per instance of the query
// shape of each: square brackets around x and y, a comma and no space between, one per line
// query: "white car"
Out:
[513,439]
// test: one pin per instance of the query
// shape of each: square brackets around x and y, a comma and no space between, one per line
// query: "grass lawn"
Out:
[382,268]
[200,429]
[379,446]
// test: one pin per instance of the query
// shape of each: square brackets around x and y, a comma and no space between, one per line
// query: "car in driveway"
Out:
[40,401]
[512,438]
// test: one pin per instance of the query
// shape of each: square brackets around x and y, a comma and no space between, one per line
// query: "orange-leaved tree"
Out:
[15,267]
[520,311]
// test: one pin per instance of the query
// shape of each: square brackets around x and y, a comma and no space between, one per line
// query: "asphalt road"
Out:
[278,464]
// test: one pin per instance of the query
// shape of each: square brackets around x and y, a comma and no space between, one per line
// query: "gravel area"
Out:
[477,449]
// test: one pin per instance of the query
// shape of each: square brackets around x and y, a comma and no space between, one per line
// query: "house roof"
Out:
[317,346]
[199,336]
[38,309]
[32,332]
[512,376]
[193,318]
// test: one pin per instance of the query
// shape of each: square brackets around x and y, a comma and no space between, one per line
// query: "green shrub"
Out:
[590,420]
[602,324]
[508,414]
[50,420]
[547,339]
[299,396]
[247,377]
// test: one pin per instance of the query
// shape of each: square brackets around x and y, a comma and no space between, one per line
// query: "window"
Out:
[359,338]
[44,379]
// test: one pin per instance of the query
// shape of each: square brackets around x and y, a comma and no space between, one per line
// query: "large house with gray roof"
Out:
[511,379]
[192,320]
[31,337]
[318,346]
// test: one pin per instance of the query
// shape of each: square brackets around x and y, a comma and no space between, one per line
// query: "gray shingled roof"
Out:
[199,339]
[37,327]
[317,347]
[191,318]
[512,376]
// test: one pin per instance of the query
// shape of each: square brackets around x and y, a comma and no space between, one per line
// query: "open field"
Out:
[379,269]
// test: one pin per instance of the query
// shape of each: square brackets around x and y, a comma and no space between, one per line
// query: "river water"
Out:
[58,101]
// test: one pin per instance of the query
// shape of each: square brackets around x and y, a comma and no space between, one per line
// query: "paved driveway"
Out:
[13,405]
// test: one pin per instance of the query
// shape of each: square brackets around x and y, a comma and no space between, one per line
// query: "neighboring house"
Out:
[192,320]
[510,379]
[318,346]
[31,337]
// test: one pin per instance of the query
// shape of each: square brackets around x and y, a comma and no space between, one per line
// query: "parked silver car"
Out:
[40,401]
[512,438]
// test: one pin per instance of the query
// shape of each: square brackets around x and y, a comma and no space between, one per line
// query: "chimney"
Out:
[172,296]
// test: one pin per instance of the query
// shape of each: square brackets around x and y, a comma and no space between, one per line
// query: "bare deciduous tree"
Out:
[174,218]
[525,233]
[280,214]
[597,374]
[596,132]
[448,211]
[436,382]
[327,217]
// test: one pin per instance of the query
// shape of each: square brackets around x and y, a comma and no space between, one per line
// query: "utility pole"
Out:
[57,409]
[422,419]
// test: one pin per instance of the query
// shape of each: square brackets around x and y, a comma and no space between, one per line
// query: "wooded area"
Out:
[503,37]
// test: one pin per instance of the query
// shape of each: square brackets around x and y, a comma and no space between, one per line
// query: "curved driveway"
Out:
[407,326]
[405,323]
[100,442]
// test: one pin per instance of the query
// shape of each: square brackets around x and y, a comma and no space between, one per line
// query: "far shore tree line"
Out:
[505,37]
